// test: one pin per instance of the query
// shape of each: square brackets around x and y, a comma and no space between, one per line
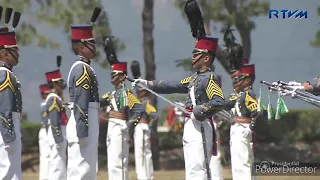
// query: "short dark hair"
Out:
[211,56]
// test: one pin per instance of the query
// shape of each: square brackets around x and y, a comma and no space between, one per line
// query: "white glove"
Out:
[294,83]
[295,88]
[138,82]
[275,83]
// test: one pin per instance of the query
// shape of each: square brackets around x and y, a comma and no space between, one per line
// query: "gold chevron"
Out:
[105,96]
[232,98]
[213,89]
[7,83]
[186,80]
[250,102]
[132,100]
[150,109]
[54,105]
[44,114]
[85,76]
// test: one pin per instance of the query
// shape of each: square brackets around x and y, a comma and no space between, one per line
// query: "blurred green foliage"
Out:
[316,42]
[59,14]
[238,13]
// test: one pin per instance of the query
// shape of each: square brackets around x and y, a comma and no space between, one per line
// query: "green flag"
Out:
[281,108]
[270,109]
[261,106]
[270,112]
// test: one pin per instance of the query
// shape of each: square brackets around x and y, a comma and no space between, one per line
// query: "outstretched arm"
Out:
[170,87]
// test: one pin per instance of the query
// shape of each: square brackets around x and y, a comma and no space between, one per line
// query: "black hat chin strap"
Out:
[86,44]
[14,57]
[198,59]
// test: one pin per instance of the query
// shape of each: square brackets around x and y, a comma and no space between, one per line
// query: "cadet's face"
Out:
[88,50]
[118,79]
[11,56]
[44,95]
[197,60]
[58,86]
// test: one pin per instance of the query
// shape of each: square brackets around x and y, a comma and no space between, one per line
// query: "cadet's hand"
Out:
[197,113]
[294,83]
[296,88]
[275,84]
[104,103]
[138,82]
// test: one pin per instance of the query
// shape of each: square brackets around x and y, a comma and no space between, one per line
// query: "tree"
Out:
[234,12]
[148,43]
[59,14]
[316,42]
[150,66]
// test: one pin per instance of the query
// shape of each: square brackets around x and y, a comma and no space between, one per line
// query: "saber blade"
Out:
[163,98]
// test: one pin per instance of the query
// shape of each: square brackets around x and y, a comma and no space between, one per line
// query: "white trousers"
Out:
[118,149]
[58,157]
[10,153]
[241,162]
[142,152]
[44,152]
[215,162]
[193,149]
[83,152]
[252,159]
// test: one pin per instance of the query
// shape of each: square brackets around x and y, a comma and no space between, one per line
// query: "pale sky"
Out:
[280,49]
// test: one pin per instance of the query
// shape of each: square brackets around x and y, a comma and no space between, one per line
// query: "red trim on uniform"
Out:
[81,33]
[44,88]
[53,76]
[189,110]
[248,69]
[8,39]
[245,61]
[119,67]
[64,119]
[209,44]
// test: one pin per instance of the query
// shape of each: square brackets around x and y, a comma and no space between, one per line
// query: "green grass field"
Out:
[179,175]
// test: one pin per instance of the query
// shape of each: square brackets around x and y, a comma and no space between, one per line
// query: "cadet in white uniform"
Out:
[44,150]
[57,127]
[83,124]
[11,104]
